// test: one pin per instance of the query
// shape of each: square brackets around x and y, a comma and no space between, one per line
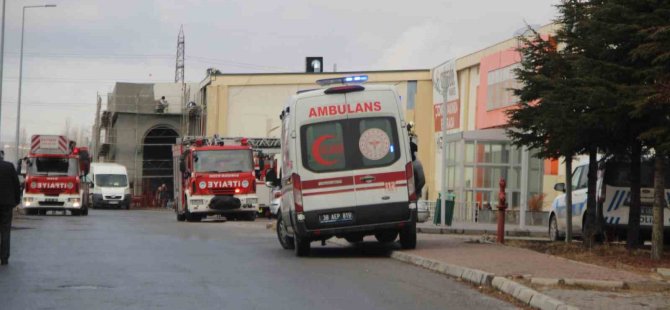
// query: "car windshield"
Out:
[223,161]
[111,180]
[618,174]
[53,166]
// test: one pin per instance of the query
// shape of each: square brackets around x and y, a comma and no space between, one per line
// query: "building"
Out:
[249,104]
[476,88]
[132,133]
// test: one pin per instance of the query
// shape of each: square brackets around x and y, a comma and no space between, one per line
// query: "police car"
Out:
[347,169]
[613,195]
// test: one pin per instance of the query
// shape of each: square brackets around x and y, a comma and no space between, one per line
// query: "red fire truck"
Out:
[216,176]
[54,176]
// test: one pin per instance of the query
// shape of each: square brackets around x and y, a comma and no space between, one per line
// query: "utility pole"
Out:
[2,60]
[179,67]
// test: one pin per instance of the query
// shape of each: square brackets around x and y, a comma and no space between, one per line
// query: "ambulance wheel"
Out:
[302,246]
[408,236]
[354,238]
[386,236]
[180,217]
[284,239]
[553,228]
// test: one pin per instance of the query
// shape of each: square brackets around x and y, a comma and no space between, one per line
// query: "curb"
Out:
[461,231]
[520,292]
[605,284]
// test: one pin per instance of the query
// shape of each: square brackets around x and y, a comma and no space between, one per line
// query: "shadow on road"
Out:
[358,250]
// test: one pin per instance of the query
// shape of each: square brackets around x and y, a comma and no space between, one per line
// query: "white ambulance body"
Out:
[346,167]
[613,192]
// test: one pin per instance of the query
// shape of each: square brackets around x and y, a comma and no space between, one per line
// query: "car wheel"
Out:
[408,236]
[553,228]
[386,236]
[302,246]
[284,239]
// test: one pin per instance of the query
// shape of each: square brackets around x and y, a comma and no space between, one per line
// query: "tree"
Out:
[653,54]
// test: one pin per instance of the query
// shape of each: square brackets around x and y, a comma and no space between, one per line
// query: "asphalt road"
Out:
[147,260]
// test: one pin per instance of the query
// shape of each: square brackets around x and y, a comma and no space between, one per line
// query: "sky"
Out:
[82,47]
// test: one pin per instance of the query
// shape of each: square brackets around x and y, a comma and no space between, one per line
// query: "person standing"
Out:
[10,197]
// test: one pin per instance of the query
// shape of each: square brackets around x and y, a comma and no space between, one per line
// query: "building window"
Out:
[500,83]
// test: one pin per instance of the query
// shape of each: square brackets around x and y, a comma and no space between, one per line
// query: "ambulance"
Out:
[346,168]
[613,195]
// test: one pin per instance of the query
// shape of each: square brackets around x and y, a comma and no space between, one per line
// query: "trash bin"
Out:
[449,210]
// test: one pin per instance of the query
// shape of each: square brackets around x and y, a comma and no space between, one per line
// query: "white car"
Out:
[274,206]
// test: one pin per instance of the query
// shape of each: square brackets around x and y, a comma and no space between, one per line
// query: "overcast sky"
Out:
[82,47]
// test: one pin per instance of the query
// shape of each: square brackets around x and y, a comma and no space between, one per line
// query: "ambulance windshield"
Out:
[349,144]
[53,166]
[111,180]
[223,161]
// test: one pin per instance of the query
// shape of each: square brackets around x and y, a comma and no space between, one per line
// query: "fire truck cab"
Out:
[214,176]
[54,176]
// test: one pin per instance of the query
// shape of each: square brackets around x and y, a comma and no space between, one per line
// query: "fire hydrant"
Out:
[502,206]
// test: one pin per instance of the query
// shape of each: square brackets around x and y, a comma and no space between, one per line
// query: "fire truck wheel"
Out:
[302,246]
[284,239]
[408,236]
[180,217]
[250,216]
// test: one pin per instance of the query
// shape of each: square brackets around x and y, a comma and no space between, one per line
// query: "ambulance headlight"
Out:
[202,185]
[245,183]
[70,185]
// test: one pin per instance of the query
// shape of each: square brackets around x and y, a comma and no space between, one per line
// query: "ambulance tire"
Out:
[408,237]
[354,238]
[387,236]
[302,246]
[284,239]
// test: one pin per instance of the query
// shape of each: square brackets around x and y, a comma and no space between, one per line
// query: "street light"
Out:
[18,109]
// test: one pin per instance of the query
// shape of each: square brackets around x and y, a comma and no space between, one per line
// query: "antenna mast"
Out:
[179,68]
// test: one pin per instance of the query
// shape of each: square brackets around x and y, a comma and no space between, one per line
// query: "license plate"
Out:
[336,217]
[113,202]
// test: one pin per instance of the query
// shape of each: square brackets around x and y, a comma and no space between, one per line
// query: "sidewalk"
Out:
[469,228]
[589,283]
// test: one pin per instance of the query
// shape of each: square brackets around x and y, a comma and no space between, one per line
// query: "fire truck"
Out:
[216,176]
[55,171]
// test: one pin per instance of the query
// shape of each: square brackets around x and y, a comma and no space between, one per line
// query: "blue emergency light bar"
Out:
[354,79]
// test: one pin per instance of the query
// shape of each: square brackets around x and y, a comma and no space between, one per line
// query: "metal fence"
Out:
[468,212]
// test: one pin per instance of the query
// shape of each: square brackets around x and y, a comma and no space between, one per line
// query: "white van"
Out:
[346,167]
[109,186]
[613,195]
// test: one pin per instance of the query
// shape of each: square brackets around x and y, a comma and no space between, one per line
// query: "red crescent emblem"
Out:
[317,155]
